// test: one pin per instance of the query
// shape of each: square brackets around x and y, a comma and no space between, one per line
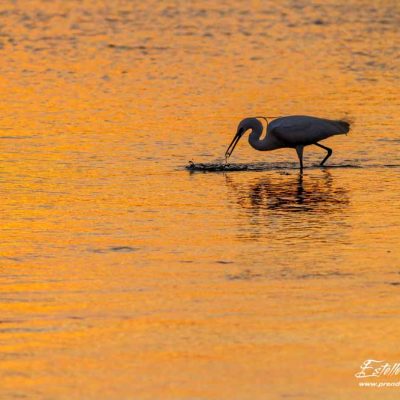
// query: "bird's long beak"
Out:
[233,144]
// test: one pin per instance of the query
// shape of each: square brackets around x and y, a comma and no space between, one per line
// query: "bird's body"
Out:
[296,131]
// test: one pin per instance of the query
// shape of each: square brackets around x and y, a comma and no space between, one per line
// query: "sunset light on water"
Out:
[126,276]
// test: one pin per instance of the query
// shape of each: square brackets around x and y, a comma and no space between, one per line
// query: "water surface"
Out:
[125,276]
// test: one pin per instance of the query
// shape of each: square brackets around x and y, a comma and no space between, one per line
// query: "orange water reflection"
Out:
[124,276]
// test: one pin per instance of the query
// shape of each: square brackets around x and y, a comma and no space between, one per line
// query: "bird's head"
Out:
[244,125]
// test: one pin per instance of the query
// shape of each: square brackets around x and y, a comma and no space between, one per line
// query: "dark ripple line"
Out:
[219,167]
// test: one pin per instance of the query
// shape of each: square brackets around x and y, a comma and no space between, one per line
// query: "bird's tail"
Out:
[345,123]
[344,126]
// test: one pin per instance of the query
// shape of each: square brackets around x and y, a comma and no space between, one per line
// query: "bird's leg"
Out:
[299,150]
[330,151]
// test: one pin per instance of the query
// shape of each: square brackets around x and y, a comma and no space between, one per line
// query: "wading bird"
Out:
[296,132]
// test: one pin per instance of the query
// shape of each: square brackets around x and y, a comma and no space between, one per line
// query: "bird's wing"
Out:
[290,133]
[297,130]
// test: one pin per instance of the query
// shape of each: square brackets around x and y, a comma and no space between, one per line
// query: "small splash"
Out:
[215,167]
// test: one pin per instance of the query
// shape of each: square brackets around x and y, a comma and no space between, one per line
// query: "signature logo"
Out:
[378,368]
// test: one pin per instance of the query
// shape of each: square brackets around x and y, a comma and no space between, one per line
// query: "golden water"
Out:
[123,276]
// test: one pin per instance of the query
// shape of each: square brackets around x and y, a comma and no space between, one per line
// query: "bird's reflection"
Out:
[288,193]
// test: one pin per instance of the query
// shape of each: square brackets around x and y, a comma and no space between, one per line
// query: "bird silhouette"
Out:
[296,132]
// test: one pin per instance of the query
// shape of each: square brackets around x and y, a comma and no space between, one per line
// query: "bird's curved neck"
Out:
[267,143]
